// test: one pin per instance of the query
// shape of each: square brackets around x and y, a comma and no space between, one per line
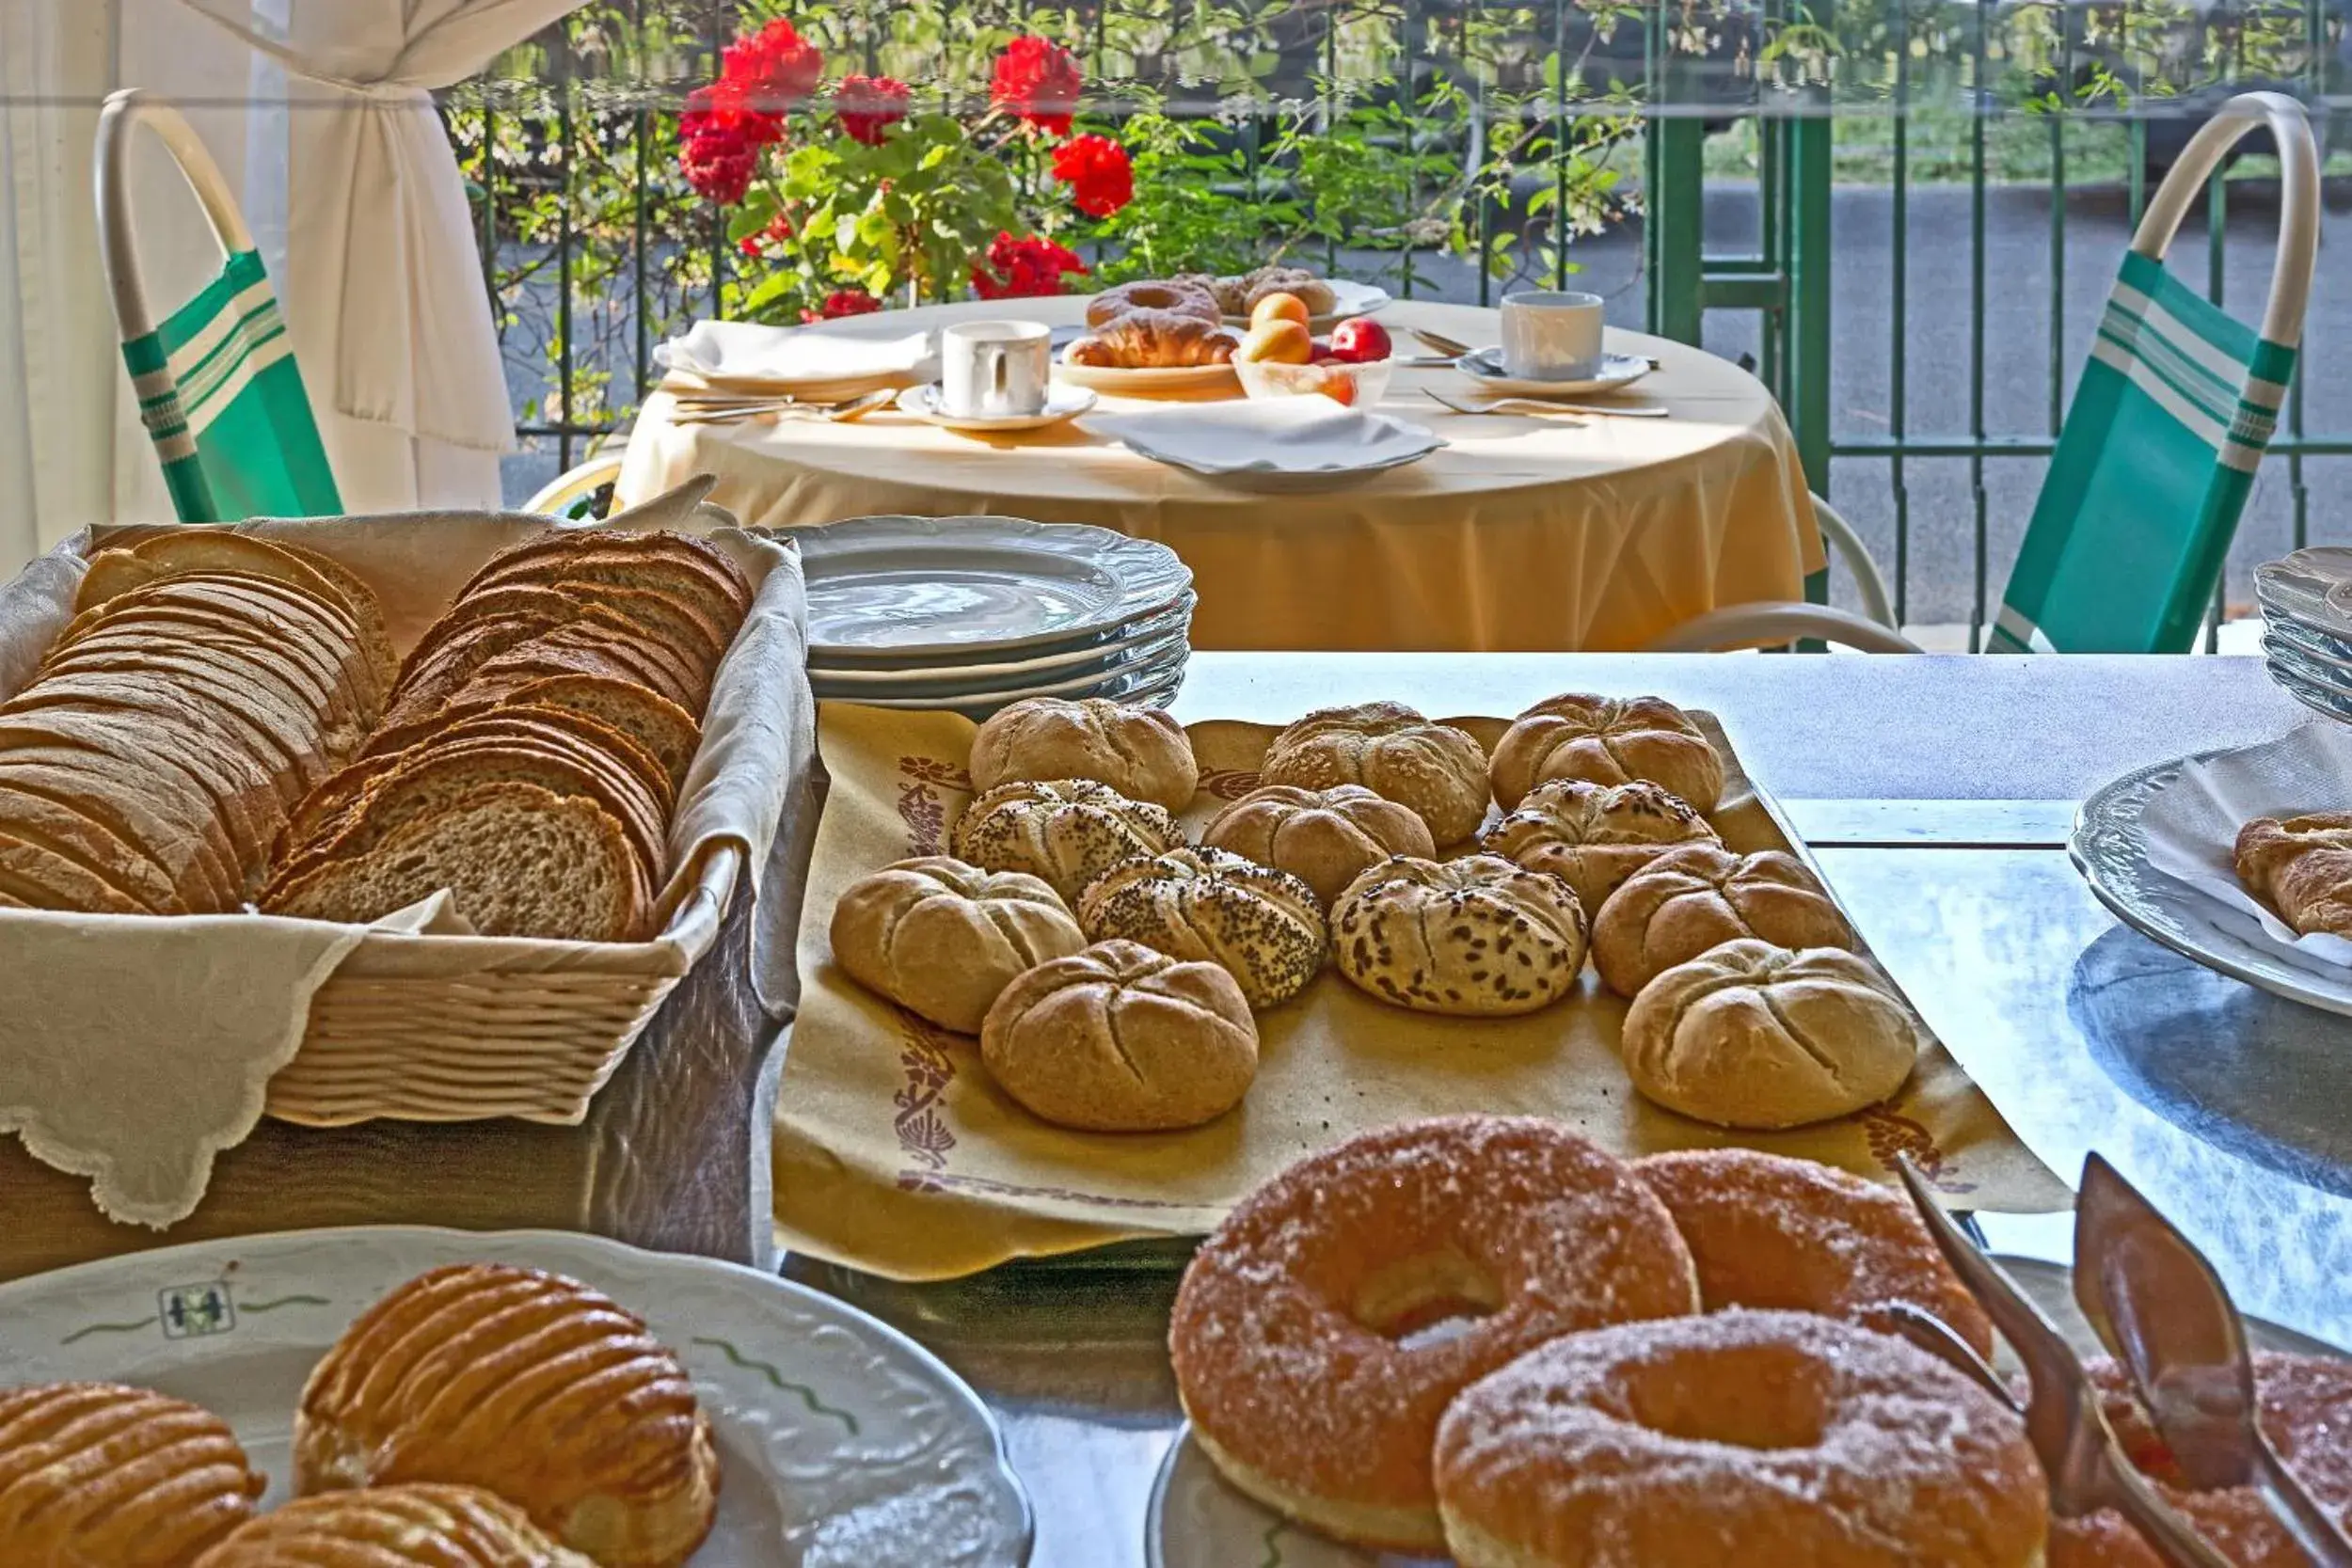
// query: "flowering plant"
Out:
[865,193]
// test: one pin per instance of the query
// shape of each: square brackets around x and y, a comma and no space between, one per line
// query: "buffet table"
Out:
[1523,534]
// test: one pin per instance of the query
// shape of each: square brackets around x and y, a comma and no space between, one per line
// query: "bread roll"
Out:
[1261,926]
[415,1526]
[1752,1035]
[1608,740]
[1068,832]
[1119,1038]
[942,939]
[1142,752]
[1469,936]
[1693,898]
[1392,751]
[1593,836]
[99,1473]
[1327,838]
[2302,867]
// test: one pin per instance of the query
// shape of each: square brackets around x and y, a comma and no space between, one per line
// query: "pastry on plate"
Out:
[1325,837]
[1153,340]
[1608,740]
[1066,832]
[1298,282]
[1390,749]
[1471,937]
[100,1473]
[1177,296]
[1142,752]
[1752,1035]
[1261,925]
[394,1527]
[1120,1038]
[2302,867]
[1700,895]
[537,1387]
[942,939]
[1595,836]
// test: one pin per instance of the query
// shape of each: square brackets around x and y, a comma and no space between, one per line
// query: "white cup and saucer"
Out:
[1551,347]
[996,375]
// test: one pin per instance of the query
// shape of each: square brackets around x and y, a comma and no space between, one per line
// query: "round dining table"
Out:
[1542,532]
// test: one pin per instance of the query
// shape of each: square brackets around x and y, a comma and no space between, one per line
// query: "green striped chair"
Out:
[2156,457]
[218,389]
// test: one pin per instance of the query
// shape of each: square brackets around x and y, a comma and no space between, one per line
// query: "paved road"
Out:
[1940,565]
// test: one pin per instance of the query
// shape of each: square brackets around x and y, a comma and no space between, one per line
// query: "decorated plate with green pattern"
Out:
[842,1442]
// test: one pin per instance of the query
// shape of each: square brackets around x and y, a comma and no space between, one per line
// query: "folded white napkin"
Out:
[2191,828]
[719,350]
[1282,435]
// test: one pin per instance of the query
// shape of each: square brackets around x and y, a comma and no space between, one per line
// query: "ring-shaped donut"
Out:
[1182,299]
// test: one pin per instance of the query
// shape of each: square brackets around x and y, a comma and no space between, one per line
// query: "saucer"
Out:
[1484,365]
[1061,403]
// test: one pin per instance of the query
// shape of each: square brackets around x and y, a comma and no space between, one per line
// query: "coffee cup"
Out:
[1550,335]
[995,369]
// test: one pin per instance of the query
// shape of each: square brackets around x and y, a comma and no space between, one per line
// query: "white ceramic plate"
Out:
[942,588]
[2109,847]
[1061,403]
[1143,682]
[1146,383]
[1196,1520]
[1272,442]
[842,1442]
[1485,366]
[915,682]
[1349,298]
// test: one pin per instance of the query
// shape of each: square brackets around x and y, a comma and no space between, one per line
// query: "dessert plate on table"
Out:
[842,1442]
[1197,1520]
[1063,404]
[1149,381]
[1349,298]
[2109,846]
[1277,443]
[937,589]
[1485,366]
[1146,686]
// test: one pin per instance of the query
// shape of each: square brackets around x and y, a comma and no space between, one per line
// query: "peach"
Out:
[1277,343]
[1279,308]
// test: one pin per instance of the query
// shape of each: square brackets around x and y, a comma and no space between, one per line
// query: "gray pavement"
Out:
[1940,563]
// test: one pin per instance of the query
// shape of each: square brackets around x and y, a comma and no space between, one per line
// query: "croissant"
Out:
[98,1473]
[429,1527]
[534,1386]
[1155,340]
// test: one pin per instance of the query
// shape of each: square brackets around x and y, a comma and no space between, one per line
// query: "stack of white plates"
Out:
[974,613]
[2307,626]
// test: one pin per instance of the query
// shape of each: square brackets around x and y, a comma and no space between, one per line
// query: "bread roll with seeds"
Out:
[943,939]
[1066,831]
[1474,937]
[1325,837]
[1392,751]
[1261,926]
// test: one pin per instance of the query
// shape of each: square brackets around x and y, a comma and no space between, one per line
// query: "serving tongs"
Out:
[2158,1305]
[2086,1467]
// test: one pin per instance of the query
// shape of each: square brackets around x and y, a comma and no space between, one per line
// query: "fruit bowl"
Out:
[1349,383]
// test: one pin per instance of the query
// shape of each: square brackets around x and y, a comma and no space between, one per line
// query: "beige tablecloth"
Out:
[1522,534]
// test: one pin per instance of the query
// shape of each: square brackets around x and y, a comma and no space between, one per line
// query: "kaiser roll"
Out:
[1750,1034]
[1392,751]
[2302,867]
[941,938]
[1325,837]
[1142,752]
[1066,831]
[1471,937]
[1119,1038]
[1593,836]
[1261,926]
[1690,900]
[1607,740]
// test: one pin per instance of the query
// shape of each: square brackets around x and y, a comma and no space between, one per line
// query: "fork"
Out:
[1533,405]
[732,411]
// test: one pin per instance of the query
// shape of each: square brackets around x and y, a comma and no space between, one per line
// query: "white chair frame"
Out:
[1775,622]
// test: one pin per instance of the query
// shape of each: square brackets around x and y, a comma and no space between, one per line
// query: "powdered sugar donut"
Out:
[1298,1331]
[1736,1439]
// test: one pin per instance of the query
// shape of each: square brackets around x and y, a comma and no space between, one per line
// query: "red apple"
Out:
[1359,340]
[1324,355]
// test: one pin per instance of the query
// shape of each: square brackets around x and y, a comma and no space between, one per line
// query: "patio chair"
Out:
[2157,454]
[218,389]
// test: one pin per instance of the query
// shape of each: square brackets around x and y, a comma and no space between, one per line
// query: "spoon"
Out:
[1532,405]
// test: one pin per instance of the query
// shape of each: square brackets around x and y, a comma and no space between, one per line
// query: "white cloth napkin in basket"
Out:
[2192,823]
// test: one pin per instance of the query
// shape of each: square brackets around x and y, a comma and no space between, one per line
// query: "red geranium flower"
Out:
[868,106]
[778,231]
[1020,269]
[1096,170]
[1038,81]
[844,302]
[718,157]
[765,73]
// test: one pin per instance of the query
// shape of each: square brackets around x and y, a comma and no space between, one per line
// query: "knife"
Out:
[2157,1304]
